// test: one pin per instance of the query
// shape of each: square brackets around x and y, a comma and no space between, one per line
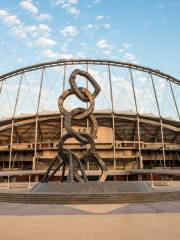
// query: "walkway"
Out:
[150,221]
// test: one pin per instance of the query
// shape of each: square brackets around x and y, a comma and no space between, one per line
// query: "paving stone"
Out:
[89,227]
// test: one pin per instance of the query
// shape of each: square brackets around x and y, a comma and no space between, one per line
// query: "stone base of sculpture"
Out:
[108,187]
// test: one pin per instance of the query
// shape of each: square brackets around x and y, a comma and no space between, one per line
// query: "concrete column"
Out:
[139,177]
[36,178]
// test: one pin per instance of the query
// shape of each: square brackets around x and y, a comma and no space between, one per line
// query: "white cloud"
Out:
[44,27]
[69,31]
[130,57]
[43,16]
[64,47]
[73,11]
[68,5]
[21,31]
[126,45]
[66,56]
[73,1]
[142,79]
[60,2]
[45,42]
[48,53]
[81,55]
[29,6]
[3,13]
[43,30]
[121,50]
[88,26]
[102,44]
[99,17]
[20,60]
[107,25]
[107,52]
[9,19]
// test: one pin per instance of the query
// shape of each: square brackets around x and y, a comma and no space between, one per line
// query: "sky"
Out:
[144,32]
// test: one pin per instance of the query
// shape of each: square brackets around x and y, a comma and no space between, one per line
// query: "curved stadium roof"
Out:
[125,127]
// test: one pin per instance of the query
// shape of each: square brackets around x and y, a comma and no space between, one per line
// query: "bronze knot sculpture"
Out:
[66,157]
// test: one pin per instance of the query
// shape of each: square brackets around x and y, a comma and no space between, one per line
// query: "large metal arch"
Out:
[62,62]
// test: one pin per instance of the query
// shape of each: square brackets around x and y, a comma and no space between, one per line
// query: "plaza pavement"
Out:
[136,221]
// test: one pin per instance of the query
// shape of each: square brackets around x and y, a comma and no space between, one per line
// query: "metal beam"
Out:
[174,99]
[1,87]
[161,122]
[37,118]
[63,87]
[138,121]
[62,62]
[13,119]
[113,119]
[87,121]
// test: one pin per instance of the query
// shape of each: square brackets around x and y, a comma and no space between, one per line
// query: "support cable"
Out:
[63,87]
[29,92]
[12,123]
[138,120]
[37,119]
[87,121]
[8,98]
[161,122]
[174,99]
[113,119]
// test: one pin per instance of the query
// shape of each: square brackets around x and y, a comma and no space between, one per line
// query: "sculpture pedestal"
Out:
[92,187]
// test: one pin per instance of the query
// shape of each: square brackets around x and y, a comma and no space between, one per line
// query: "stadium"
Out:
[137,112]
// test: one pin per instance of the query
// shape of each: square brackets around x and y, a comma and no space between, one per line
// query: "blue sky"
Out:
[140,31]
[143,32]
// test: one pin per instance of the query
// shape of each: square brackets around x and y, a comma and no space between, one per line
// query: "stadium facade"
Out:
[133,143]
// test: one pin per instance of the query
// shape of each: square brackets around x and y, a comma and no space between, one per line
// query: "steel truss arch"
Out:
[62,62]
